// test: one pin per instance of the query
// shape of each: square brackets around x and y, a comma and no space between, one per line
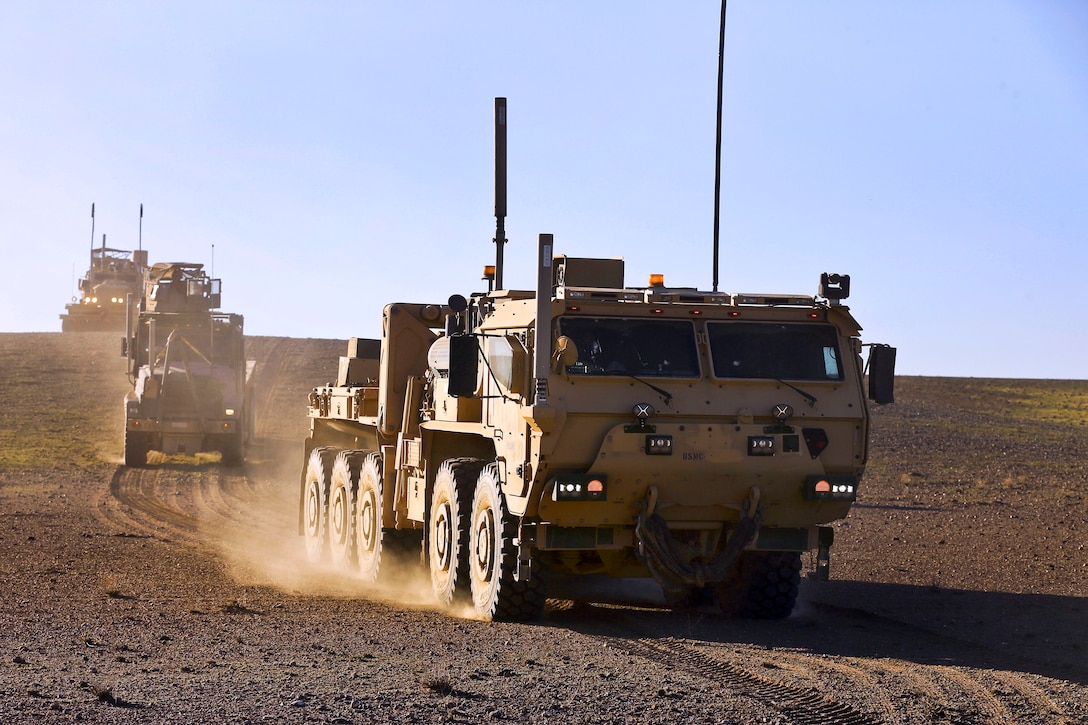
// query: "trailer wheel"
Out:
[368,518]
[136,447]
[315,502]
[764,585]
[343,483]
[448,529]
[493,558]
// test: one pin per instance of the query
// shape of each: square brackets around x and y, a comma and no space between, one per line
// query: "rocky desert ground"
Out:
[178,594]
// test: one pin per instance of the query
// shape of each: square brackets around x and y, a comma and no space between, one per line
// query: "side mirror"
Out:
[124,347]
[566,353]
[882,374]
[464,367]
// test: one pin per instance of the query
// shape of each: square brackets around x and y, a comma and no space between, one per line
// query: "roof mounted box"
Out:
[585,272]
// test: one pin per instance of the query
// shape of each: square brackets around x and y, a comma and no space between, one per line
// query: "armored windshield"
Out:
[775,351]
[619,346]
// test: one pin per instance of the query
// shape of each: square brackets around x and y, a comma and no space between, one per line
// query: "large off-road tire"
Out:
[369,538]
[232,449]
[763,585]
[493,558]
[137,444]
[448,525]
[343,482]
[315,502]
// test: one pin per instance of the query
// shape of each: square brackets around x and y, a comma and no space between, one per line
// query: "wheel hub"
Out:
[443,544]
[339,517]
[311,509]
[367,523]
[484,549]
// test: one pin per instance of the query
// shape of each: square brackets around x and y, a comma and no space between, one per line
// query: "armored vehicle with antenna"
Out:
[113,275]
[594,427]
[187,364]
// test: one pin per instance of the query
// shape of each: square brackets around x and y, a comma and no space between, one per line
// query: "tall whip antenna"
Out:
[92,231]
[500,186]
[718,145]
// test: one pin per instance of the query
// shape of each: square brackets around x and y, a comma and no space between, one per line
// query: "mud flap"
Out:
[661,556]
[526,543]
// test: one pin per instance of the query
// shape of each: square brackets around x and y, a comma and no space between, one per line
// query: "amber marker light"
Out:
[657,280]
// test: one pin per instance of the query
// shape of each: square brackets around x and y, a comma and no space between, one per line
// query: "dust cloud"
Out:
[263,548]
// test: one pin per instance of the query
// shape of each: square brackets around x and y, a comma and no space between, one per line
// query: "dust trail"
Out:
[264,549]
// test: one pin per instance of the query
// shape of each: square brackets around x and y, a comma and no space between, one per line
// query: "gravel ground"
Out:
[177,593]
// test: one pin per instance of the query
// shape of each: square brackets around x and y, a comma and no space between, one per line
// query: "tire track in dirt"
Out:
[849,670]
[802,704]
[819,688]
[135,500]
[990,706]
[1033,698]
[633,633]
[199,506]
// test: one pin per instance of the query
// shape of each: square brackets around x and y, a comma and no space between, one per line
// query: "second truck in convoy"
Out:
[191,380]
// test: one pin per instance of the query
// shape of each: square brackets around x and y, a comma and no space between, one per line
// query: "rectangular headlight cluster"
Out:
[831,488]
[761,445]
[658,445]
[579,487]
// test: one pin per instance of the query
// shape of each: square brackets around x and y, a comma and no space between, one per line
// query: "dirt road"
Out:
[178,593]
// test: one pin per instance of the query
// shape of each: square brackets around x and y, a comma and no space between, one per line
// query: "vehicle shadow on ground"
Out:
[1031,633]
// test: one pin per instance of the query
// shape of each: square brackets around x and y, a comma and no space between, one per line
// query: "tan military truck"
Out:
[704,439]
[191,380]
[589,427]
[113,275]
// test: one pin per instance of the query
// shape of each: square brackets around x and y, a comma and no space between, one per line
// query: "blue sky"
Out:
[338,155]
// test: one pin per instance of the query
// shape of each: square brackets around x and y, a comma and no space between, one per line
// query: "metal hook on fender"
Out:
[651,500]
[751,503]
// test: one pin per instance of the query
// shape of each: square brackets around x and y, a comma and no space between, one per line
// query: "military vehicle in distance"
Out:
[187,364]
[589,427]
[113,275]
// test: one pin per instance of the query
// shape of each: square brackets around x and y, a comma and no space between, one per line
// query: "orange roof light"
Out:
[657,280]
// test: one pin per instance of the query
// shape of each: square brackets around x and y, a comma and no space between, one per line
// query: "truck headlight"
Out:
[579,487]
[658,445]
[761,445]
[831,488]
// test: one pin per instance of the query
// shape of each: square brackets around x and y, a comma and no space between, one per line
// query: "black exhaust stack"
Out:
[500,187]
